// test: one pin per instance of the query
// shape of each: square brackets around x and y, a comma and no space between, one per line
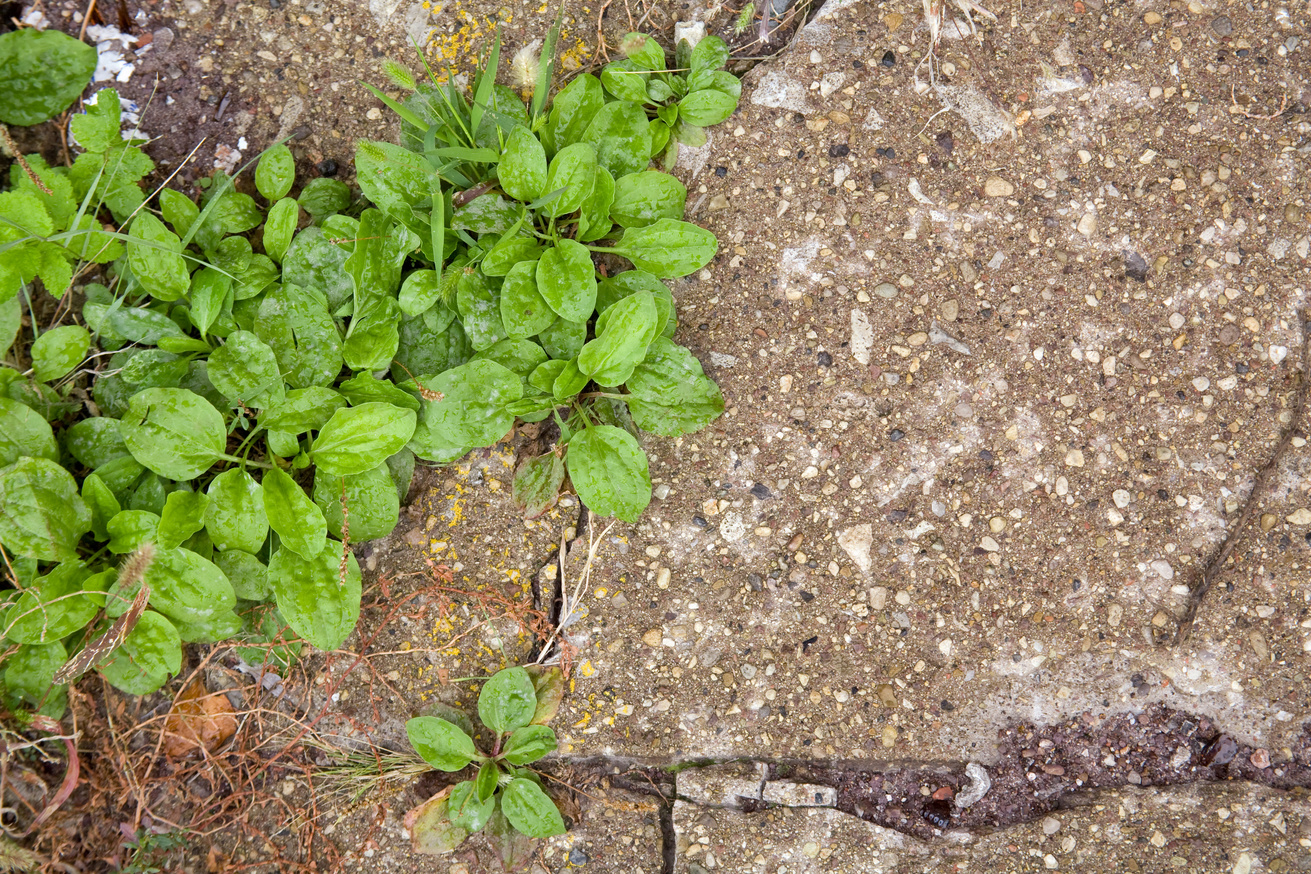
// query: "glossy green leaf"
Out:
[486,214]
[183,586]
[420,290]
[643,50]
[247,574]
[528,744]
[440,743]
[280,228]
[314,262]
[100,500]
[621,137]
[529,809]
[211,297]
[178,210]
[235,517]
[668,247]
[564,338]
[625,80]
[571,172]
[715,80]
[58,351]
[183,516]
[566,280]
[44,71]
[54,606]
[29,677]
[522,169]
[24,433]
[620,345]
[296,323]
[594,216]
[324,197]
[298,520]
[471,411]
[509,251]
[371,499]
[154,254]
[507,701]
[710,53]
[570,381]
[174,432]
[466,808]
[316,601]
[130,528]
[364,388]
[392,176]
[245,370]
[544,375]
[669,393]
[573,108]
[524,312]
[609,471]
[358,439]
[275,173]
[615,288]
[642,198]
[303,409]
[706,108]
[480,309]
[149,655]
[41,514]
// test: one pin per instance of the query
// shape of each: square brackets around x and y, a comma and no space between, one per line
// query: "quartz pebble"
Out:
[995,186]
[1121,497]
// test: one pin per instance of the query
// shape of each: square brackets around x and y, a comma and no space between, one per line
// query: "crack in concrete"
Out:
[1158,747]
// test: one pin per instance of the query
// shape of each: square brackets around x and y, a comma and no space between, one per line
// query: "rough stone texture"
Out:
[1205,828]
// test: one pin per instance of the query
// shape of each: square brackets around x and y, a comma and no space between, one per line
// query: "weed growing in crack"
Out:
[504,797]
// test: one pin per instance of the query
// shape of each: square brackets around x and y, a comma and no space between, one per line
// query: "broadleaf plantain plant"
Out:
[503,795]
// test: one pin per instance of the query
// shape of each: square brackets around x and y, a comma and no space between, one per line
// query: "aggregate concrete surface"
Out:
[1006,335]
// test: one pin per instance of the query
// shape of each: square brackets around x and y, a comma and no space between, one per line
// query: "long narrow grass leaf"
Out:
[486,79]
[546,71]
[399,108]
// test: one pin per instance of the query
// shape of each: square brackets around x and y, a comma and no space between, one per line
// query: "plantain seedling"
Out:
[504,797]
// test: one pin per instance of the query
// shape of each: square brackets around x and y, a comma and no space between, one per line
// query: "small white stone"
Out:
[1074,458]
[1278,354]
[1087,224]
[1177,320]
[995,186]
[1114,516]
[1201,383]
[989,544]
[1121,498]
[1300,516]
[856,542]
[1051,825]
[1163,569]
[862,337]
[1229,383]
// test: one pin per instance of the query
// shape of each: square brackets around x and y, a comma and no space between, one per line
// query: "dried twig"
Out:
[1211,570]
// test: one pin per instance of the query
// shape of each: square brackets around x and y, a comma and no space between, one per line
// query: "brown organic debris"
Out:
[199,720]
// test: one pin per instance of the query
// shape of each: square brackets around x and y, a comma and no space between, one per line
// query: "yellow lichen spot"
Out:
[586,718]
[601,592]
[586,669]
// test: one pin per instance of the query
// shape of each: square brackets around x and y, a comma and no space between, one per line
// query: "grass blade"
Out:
[486,79]
[398,108]
[546,71]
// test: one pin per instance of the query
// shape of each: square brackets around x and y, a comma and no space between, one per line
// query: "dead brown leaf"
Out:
[199,719]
